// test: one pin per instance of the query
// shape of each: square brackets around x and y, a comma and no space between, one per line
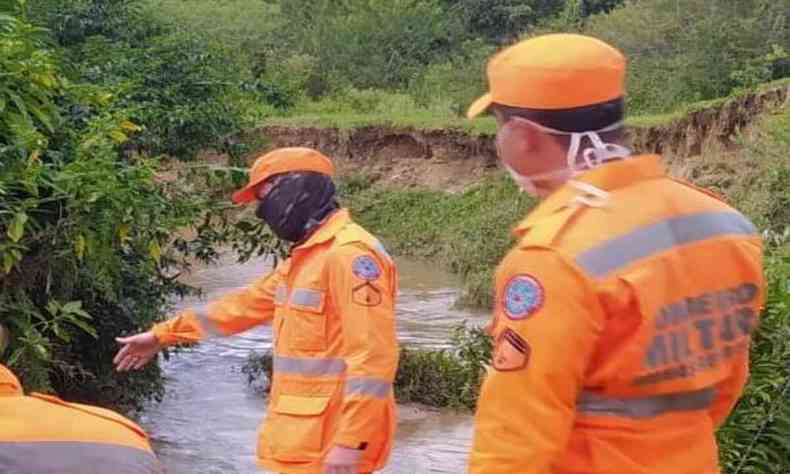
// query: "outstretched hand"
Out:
[136,351]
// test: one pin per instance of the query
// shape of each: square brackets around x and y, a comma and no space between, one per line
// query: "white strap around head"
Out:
[595,156]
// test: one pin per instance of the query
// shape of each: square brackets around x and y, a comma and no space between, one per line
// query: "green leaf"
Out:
[123,232]
[15,356]
[20,105]
[79,246]
[43,117]
[84,326]
[17,227]
[8,262]
[41,351]
[118,136]
[154,250]
[72,306]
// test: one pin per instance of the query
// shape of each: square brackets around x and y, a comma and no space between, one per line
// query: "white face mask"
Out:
[592,157]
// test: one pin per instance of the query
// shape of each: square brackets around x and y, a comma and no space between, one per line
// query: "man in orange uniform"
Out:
[331,304]
[41,434]
[623,315]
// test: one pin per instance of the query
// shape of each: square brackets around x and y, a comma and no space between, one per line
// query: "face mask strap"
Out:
[595,156]
[592,157]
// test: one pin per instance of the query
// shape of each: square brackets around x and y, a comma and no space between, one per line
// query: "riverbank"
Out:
[438,152]
[468,232]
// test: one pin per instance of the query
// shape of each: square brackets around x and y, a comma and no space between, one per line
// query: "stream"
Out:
[208,420]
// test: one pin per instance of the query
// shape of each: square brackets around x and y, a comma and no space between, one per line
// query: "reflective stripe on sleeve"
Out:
[307,298]
[72,457]
[207,325]
[376,388]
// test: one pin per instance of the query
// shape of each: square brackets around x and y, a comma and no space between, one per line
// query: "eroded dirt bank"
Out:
[451,159]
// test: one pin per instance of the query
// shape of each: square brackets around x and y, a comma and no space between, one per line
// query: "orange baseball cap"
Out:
[283,160]
[553,72]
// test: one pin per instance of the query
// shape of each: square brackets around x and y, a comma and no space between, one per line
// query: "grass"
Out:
[381,108]
[239,25]
[419,119]
[468,232]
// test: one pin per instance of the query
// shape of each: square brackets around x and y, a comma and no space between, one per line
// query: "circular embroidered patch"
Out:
[366,268]
[523,296]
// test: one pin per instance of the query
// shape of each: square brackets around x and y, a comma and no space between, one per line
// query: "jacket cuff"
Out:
[350,441]
[162,333]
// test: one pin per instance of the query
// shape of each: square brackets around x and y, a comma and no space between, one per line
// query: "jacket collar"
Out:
[610,177]
[326,230]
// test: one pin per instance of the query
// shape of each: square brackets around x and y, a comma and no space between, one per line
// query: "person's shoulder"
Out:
[354,240]
[701,192]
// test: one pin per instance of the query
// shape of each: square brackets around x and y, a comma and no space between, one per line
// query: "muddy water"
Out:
[208,420]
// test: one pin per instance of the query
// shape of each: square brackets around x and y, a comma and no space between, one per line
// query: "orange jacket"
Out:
[332,305]
[621,331]
[41,434]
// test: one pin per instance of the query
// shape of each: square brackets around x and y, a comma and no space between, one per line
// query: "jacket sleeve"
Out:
[362,287]
[231,314]
[547,322]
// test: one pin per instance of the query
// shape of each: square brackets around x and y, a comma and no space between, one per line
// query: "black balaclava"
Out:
[297,203]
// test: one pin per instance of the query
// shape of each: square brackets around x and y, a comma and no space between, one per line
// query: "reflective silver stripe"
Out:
[208,326]
[71,457]
[590,403]
[380,248]
[656,238]
[307,298]
[371,387]
[281,295]
[309,366]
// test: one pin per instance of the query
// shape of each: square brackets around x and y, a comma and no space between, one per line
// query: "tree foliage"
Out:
[90,232]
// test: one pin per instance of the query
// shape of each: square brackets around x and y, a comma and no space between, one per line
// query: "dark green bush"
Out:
[89,230]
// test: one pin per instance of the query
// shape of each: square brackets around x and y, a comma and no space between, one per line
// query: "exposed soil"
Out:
[453,159]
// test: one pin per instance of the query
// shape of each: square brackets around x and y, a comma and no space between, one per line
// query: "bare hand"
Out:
[136,351]
[342,460]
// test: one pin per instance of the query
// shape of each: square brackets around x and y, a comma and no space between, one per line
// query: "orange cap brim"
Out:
[245,195]
[479,106]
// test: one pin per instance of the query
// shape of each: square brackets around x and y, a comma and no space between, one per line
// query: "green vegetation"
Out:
[468,232]
[419,63]
[90,93]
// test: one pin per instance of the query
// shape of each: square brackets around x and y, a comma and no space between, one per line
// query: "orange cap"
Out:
[553,72]
[282,160]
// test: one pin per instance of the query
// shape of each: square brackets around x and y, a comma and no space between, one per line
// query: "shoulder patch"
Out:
[511,352]
[523,296]
[366,294]
[366,268]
